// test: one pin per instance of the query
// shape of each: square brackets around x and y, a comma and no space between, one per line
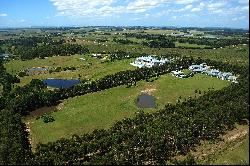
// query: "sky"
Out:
[180,13]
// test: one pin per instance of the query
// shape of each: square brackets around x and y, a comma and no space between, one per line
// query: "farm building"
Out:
[4,56]
[213,72]
[148,61]
[37,70]
[178,74]
[224,76]
[97,55]
[198,68]
[232,79]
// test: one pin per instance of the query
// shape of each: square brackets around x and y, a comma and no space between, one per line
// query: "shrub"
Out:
[47,118]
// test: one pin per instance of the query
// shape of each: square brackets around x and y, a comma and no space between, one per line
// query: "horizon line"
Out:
[151,26]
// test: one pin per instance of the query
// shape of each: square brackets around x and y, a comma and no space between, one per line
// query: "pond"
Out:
[61,83]
[146,101]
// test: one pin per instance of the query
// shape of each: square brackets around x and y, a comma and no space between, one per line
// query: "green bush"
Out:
[47,118]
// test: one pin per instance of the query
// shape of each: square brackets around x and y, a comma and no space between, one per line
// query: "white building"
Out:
[148,61]
[198,68]
[96,55]
[178,74]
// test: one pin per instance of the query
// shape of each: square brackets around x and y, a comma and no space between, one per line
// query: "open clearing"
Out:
[100,110]
[91,68]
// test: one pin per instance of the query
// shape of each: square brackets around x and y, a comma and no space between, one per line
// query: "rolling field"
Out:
[91,68]
[100,110]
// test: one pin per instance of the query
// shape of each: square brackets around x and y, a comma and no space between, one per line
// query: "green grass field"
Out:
[100,110]
[187,45]
[237,156]
[91,68]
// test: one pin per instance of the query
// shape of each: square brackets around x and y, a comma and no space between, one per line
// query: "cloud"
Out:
[216,6]
[174,17]
[92,8]
[135,19]
[243,1]
[185,1]
[183,9]
[80,7]
[22,20]
[239,18]
[196,9]
[3,14]
[142,5]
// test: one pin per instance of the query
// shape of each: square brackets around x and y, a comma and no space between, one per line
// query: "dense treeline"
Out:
[14,146]
[145,36]
[213,43]
[123,41]
[49,50]
[155,138]
[164,43]
[6,80]
[145,139]
[40,47]
[30,41]
[229,32]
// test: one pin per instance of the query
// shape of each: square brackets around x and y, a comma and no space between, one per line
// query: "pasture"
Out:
[100,110]
[91,68]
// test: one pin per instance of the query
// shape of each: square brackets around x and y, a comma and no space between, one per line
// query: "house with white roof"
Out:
[148,61]
[198,68]
[213,73]
[178,74]
[232,79]
[97,55]
[224,76]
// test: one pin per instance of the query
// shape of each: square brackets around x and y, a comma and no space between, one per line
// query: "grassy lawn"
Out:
[100,110]
[237,156]
[90,68]
[187,45]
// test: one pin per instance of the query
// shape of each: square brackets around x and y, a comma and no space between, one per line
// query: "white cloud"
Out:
[22,20]
[245,8]
[239,18]
[174,17]
[135,19]
[142,5]
[196,9]
[80,7]
[183,9]
[90,8]
[185,1]
[3,14]
[103,8]
[244,1]
[215,6]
